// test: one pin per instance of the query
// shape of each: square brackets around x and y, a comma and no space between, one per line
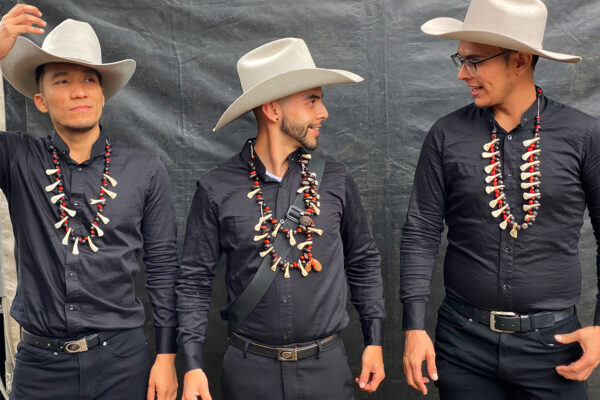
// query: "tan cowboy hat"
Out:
[71,42]
[510,24]
[278,69]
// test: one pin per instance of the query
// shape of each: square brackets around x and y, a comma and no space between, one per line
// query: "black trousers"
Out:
[116,371]
[475,363]
[246,376]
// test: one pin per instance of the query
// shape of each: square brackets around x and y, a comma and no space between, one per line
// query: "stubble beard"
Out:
[298,132]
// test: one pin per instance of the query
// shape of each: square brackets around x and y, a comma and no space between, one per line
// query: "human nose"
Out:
[463,73]
[323,114]
[78,90]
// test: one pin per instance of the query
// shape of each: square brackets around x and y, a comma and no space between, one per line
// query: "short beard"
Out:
[299,133]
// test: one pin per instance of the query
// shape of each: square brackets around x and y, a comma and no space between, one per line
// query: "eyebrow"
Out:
[64,73]
[313,96]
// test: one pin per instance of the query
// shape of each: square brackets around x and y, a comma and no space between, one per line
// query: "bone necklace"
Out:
[268,227]
[60,198]
[530,176]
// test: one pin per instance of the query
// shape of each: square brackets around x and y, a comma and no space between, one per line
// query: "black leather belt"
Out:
[285,353]
[510,322]
[72,346]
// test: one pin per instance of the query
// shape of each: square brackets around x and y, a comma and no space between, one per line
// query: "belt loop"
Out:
[246,345]
[319,349]
[532,318]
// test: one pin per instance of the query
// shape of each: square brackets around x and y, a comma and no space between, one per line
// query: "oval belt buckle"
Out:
[289,354]
[76,346]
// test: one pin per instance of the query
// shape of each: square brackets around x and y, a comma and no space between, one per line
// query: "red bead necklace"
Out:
[268,226]
[60,198]
[530,176]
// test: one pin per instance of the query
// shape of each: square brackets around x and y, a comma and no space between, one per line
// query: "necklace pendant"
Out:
[286,274]
[92,245]
[75,248]
[275,263]
[65,240]
[303,271]
[513,231]
[316,265]
[504,224]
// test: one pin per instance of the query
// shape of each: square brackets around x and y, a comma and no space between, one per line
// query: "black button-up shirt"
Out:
[299,309]
[61,294]
[484,266]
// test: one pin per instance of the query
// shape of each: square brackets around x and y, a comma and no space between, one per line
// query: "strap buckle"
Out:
[75,346]
[294,213]
[503,314]
[288,354]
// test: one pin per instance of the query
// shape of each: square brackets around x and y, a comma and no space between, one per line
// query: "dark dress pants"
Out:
[116,371]
[246,376]
[476,363]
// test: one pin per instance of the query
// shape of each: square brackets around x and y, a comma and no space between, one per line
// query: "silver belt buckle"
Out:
[493,320]
[76,346]
[284,354]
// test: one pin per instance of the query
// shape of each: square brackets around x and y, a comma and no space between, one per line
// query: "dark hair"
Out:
[39,73]
[534,60]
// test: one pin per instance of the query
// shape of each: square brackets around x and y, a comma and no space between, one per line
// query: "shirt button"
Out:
[505,287]
[508,173]
[506,250]
[285,299]
[509,137]
[71,308]
[78,169]
[284,337]
[71,274]
[76,203]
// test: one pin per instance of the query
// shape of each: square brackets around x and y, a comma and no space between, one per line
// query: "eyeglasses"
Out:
[470,64]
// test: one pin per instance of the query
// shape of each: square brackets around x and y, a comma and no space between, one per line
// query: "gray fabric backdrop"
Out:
[186,52]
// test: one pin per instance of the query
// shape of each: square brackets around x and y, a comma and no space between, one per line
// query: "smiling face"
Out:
[303,114]
[72,96]
[493,83]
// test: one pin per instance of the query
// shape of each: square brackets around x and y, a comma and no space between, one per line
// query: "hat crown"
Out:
[272,59]
[523,19]
[74,40]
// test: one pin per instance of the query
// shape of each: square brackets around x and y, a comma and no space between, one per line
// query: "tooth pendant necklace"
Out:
[60,198]
[268,227]
[530,176]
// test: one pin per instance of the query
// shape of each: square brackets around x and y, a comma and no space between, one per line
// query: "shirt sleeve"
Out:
[159,231]
[201,253]
[363,266]
[9,143]
[422,232]
[590,178]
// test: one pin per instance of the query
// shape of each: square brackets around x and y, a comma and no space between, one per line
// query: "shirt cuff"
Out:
[192,356]
[166,339]
[373,331]
[413,316]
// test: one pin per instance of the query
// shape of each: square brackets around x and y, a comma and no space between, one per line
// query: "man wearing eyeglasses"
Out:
[511,175]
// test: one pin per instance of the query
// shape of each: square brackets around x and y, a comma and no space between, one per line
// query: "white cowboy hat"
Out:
[71,42]
[278,69]
[510,24]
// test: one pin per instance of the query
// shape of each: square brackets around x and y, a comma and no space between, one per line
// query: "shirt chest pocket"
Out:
[237,232]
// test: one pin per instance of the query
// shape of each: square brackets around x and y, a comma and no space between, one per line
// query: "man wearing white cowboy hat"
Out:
[83,206]
[294,231]
[511,175]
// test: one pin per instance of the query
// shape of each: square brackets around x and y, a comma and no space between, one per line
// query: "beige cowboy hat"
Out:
[510,24]
[71,42]
[278,69]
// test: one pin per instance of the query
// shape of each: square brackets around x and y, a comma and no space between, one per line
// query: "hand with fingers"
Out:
[418,348]
[372,369]
[589,340]
[162,384]
[20,19]
[195,386]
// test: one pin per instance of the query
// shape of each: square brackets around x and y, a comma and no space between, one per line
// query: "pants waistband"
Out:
[507,321]
[285,353]
[69,346]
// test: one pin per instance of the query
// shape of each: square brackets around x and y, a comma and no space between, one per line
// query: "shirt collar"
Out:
[98,148]
[260,168]
[528,116]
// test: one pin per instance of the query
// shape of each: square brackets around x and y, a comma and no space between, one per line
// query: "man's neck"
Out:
[509,113]
[80,143]
[273,147]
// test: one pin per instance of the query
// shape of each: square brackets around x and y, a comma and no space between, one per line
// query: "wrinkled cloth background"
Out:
[186,52]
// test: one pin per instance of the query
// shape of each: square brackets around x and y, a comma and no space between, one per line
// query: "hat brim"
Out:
[451,28]
[19,66]
[284,85]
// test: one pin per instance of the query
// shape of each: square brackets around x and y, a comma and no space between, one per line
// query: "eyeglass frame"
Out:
[463,61]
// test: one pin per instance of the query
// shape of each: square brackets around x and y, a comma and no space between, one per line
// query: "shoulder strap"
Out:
[256,289]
